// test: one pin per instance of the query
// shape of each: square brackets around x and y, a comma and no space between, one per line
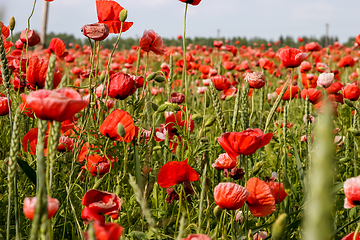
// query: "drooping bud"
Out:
[151,76]
[123,15]
[162,108]
[159,79]
[210,121]
[121,130]
[217,212]
[12,23]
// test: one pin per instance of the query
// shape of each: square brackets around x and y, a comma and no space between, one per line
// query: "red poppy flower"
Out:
[88,215]
[294,91]
[192,2]
[313,46]
[121,86]
[346,61]
[350,236]
[33,37]
[109,127]
[245,142]
[305,66]
[197,237]
[256,80]
[57,105]
[4,30]
[230,195]
[172,119]
[31,138]
[205,69]
[108,12]
[151,41]
[57,46]
[230,92]
[176,98]
[229,65]
[96,31]
[221,82]
[174,172]
[4,106]
[274,186]
[102,202]
[24,107]
[30,204]
[352,192]
[99,165]
[261,201]
[357,39]
[108,231]
[36,73]
[265,63]
[244,65]
[315,95]
[351,92]
[292,57]
[224,162]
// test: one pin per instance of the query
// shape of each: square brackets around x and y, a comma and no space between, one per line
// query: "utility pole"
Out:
[327,35]
[44,24]
[218,34]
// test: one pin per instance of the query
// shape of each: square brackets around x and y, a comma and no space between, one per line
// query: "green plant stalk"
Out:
[137,166]
[180,205]
[41,211]
[184,72]
[355,126]
[171,75]
[276,104]
[52,149]
[236,109]
[27,30]
[245,106]
[14,149]
[201,204]
[319,208]
[218,109]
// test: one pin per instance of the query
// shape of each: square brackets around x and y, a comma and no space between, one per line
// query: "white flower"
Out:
[325,80]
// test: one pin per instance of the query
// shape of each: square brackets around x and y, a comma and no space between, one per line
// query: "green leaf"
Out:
[30,173]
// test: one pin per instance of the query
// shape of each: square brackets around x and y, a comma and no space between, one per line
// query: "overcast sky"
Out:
[251,18]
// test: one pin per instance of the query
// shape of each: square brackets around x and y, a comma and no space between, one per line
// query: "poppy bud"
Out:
[12,23]
[159,79]
[33,37]
[154,106]
[217,212]
[96,31]
[348,102]
[121,130]
[173,106]
[196,117]
[210,121]
[207,100]
[156,148]
[123,15]
[344,160]
[279,227]
[102,77]
[162,108]
[151,76]
[204,140]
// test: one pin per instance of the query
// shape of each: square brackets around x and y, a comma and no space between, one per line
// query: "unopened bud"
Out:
[348,102]
[12,23]
[121,130]
[162,108]
[344,160]
[102,77]
[160,79]
[328,51]
[151,76]
[123,15]
[154,106]
[196,117]
[217,212]
[279,227]
[257,167]
[210,121]
[156,148]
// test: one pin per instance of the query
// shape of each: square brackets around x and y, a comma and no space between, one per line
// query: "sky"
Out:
[267,19]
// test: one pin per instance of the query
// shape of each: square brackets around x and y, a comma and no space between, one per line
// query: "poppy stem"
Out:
[180,204]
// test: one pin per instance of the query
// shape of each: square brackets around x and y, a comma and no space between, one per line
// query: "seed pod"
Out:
[123,15]
[154,106]
[217,212]
[162,108]
[102,77]
[279,227]
[210,121]
[151,76]
[156,148]
[160,79]
[12,23]
[121,130]
[196,117]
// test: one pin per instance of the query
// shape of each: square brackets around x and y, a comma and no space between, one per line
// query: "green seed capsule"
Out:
[12,23]
[217,212]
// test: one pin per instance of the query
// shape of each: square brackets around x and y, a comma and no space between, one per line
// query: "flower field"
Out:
[166,142]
